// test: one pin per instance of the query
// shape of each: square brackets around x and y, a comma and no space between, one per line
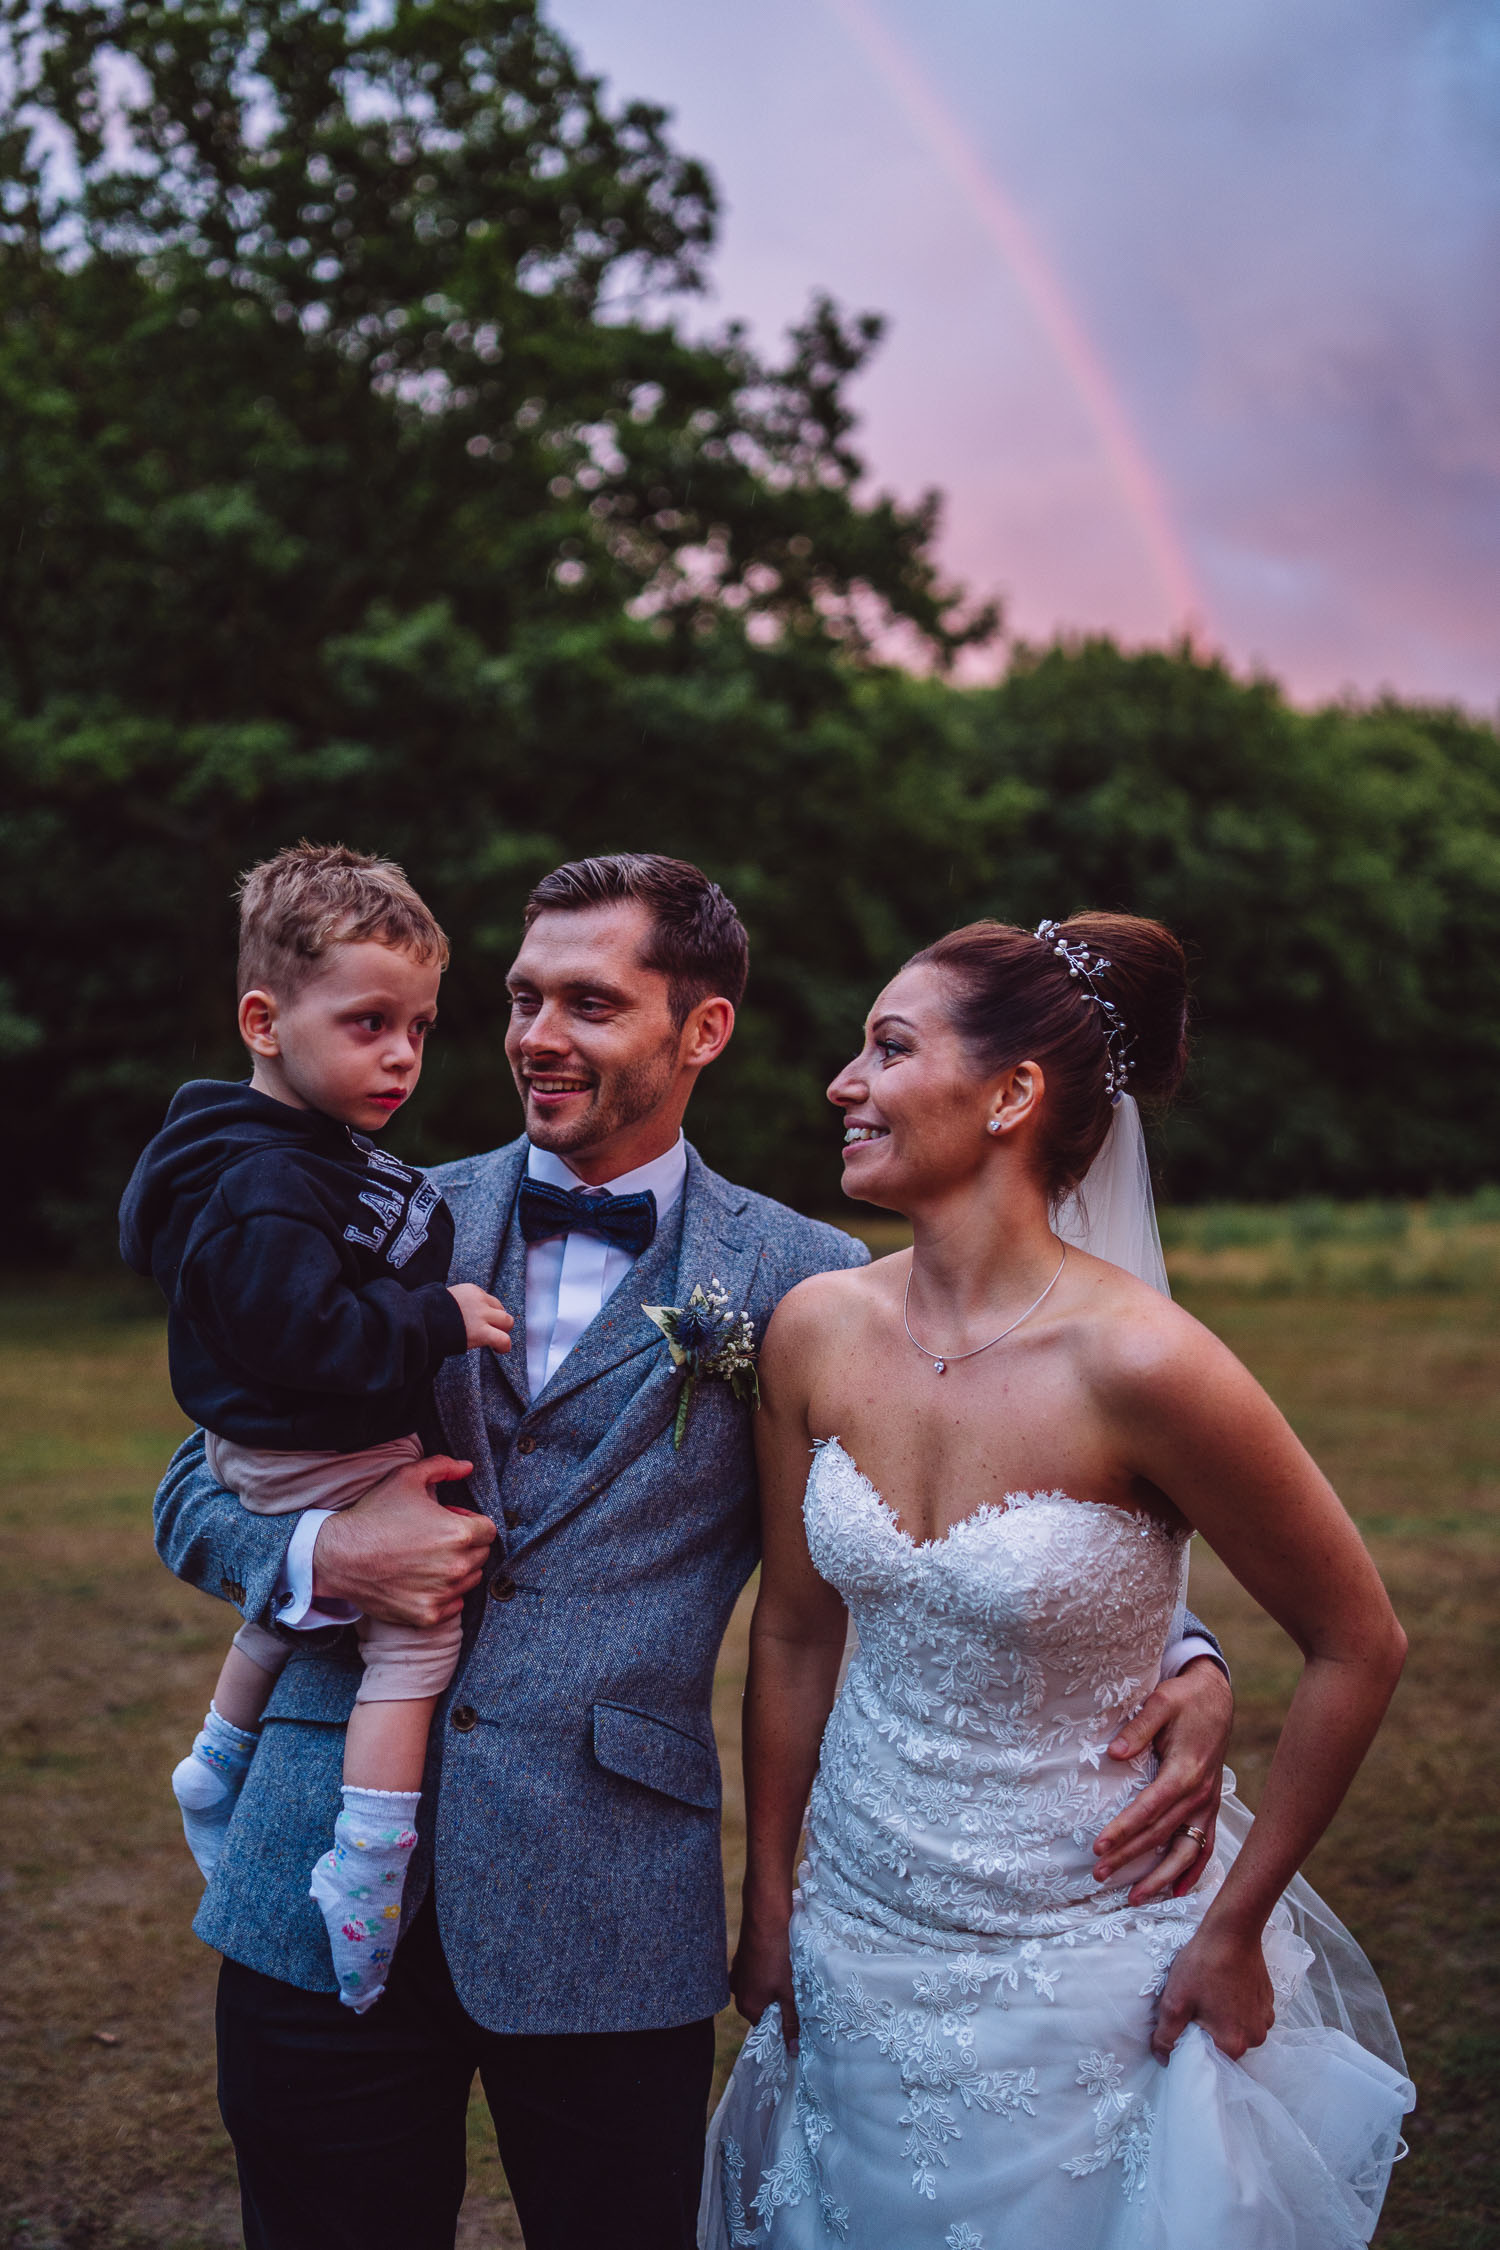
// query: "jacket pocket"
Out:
[656,1754]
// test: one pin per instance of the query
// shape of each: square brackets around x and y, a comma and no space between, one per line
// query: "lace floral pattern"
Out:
[1122,2124]
[961,1783]
[975,2010]
[994,1668]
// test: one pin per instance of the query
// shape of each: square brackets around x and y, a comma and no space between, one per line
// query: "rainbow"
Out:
[1131,472]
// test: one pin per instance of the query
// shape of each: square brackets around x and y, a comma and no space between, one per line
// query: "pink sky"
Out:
[1194,311]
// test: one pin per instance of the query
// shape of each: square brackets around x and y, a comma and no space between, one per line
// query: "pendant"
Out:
[939,1366]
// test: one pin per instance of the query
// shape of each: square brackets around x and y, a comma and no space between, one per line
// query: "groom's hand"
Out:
[399,1554]
[1188,1719]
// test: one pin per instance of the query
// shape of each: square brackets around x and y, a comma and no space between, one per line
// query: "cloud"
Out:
[1279,220]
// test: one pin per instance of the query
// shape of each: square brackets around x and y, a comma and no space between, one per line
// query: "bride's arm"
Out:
[796,1644]
[1200,1428]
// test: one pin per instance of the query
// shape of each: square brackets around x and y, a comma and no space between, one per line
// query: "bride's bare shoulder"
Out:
[1133,1341]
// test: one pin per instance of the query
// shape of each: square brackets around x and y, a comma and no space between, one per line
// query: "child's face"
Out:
[350,1041]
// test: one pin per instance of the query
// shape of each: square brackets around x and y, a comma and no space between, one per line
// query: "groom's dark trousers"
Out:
[350,2130]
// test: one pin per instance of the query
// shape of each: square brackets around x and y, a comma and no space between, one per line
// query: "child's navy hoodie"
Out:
[305,1272]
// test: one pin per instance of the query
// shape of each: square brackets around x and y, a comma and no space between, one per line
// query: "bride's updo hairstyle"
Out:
[1015,999]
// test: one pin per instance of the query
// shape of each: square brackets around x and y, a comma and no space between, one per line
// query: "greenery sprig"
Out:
[712,1342]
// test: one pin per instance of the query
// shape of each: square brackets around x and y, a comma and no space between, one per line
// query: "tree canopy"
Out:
[362,480]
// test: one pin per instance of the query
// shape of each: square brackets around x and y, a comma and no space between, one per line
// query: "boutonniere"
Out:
[713,1343]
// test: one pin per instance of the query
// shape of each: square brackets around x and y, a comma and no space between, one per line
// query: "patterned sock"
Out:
[359,1884]
[207,1785]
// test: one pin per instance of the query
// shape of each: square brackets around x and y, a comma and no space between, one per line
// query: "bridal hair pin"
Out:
[1086,965]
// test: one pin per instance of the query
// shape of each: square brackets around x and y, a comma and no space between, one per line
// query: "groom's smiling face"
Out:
[602,1067]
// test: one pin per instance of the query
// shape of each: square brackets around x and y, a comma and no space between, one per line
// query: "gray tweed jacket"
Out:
[570,1818]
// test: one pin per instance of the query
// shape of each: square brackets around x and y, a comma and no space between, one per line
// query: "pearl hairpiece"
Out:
[1086,965]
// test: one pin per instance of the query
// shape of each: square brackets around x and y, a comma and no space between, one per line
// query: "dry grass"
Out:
[1400,1402]
[114,2143]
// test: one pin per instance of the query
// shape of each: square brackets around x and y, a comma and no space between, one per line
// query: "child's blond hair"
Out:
[311,897]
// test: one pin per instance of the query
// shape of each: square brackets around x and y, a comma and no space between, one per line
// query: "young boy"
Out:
[305,1273]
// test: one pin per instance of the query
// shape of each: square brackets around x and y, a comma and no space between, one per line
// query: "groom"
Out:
[564,1928]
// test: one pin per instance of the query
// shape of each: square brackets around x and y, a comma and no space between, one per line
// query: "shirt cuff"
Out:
[292,1604]
[1182,1652]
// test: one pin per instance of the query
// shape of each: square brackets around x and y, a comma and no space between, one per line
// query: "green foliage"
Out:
[364,487]
[1336,877]
[360,490]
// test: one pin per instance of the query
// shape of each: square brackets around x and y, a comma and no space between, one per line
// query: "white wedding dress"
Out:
[974,2069]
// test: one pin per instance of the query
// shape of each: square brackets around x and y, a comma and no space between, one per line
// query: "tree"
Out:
[1336,876]
[359,483]
[363,486]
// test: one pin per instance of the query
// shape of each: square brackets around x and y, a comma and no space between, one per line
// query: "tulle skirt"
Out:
[1005,2097]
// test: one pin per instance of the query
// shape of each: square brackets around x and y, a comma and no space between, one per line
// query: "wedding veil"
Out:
[1112,1212]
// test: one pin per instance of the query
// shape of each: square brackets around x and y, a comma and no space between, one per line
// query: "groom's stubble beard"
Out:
[624,1097]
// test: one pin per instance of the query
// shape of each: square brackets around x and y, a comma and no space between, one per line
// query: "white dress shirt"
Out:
[569,1279]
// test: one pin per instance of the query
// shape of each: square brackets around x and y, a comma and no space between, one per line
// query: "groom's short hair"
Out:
[698,941]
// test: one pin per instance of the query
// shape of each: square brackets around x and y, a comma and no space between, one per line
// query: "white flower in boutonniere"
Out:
[713,1343]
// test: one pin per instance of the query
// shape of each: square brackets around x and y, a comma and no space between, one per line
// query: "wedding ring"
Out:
[1197,1835]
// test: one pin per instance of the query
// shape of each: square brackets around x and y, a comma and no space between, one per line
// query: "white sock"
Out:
[359,1884]
[207,1785]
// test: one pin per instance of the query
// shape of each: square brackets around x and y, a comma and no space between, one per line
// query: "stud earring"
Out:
[994,1124]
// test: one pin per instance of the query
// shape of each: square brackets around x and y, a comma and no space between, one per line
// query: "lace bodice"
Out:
[963,1775]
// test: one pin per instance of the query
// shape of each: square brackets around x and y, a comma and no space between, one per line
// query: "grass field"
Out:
[1378,1331]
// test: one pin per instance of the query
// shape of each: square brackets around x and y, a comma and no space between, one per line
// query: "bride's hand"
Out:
[1220,1981]
[761,1972]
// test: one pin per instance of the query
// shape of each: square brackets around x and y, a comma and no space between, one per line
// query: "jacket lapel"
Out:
[481,1196]
[508,1282]
[716,1245]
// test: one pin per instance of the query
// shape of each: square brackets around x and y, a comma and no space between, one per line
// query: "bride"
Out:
[965,2037]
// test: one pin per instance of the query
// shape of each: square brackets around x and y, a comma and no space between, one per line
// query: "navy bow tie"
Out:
[626,1220]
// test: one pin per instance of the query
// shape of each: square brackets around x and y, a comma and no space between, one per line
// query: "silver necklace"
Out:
[941,1364]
